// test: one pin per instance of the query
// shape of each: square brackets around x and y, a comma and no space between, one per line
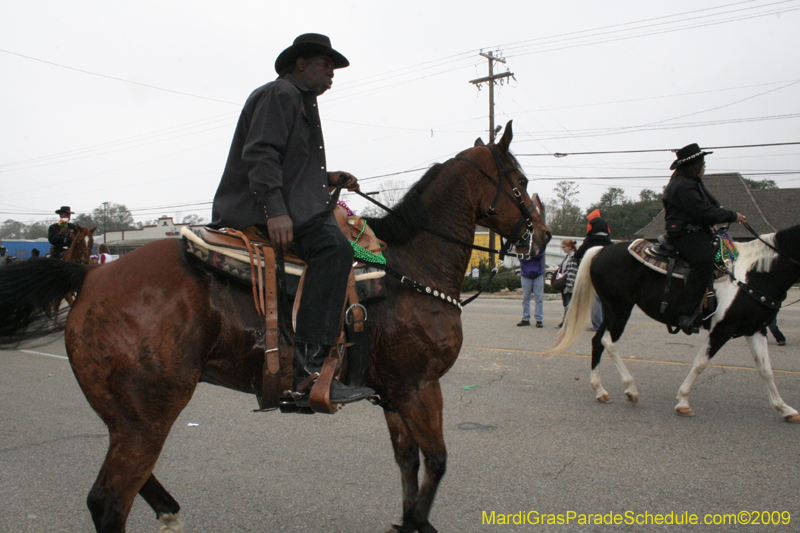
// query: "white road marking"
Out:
[45,354]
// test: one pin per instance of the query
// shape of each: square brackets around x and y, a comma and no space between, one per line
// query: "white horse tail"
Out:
[583,296]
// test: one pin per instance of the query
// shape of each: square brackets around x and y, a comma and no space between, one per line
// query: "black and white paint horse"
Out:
[621,281]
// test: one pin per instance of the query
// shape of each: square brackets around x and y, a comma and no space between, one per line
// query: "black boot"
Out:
[308,359]
[688,324]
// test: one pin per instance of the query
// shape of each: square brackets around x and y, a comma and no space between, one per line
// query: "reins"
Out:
[517,198]
[782,254]
[772,303]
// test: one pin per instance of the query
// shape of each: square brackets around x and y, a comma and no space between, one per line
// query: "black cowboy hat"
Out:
[65,209]
[686,154]
[309,42]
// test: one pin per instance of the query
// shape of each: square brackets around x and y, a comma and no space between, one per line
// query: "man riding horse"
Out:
[690,211]
[276,176]
[62,232]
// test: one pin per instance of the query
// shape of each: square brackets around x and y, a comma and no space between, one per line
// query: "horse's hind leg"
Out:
[166,508]
[127,470]
[594,378]
[418,427]
[631,391]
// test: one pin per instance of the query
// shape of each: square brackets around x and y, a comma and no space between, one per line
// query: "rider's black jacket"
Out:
[689,207]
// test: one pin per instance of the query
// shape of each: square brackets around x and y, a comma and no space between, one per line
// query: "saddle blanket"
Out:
[642,250]
[235,262]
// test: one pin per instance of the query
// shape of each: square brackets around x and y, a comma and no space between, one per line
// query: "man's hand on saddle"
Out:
[350,183]
[280,232]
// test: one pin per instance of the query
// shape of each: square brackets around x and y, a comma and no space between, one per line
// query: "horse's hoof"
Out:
[792,419]
[605,398]
[172,523]
[684,411]
[631,398]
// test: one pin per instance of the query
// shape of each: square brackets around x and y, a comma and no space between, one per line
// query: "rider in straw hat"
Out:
[276,178]
[62,232]
[690,211]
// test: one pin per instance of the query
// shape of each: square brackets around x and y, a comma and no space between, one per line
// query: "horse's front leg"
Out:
[417,426]
[700,363]
[758,347]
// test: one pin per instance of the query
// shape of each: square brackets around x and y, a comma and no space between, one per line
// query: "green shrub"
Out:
[504,279]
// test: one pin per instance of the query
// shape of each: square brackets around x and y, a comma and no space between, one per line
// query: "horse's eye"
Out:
[523,181]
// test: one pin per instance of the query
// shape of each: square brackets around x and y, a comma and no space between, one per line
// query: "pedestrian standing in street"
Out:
[777,333]
[568,270]
[532,277]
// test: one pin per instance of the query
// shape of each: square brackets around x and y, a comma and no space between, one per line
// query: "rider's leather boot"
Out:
[308,359]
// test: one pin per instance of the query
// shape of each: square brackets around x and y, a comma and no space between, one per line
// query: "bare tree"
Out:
[389,194]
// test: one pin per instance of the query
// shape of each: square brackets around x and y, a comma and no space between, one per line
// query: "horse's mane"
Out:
[410,214]
[755,255]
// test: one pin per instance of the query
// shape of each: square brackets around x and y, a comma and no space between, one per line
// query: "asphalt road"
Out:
[524,435]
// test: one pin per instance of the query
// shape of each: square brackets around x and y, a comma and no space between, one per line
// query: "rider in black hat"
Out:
[276,177]
[690,211]
[62,232]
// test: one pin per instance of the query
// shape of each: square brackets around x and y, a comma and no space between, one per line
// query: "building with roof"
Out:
[767,210]
[123,241]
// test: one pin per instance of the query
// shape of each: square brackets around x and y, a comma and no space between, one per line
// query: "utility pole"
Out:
[105,220]
[491,79]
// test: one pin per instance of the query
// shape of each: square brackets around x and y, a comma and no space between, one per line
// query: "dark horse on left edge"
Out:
[148,327]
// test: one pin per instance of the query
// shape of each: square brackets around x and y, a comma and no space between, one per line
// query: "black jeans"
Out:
[697,248]
[329,257]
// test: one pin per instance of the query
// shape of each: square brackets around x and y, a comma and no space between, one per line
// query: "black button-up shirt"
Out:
[687,201]
[276,164]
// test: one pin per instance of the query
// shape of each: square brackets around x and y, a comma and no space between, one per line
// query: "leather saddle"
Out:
[662,257]
[657,255]
[247,256]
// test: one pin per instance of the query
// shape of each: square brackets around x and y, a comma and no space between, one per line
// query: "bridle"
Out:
[83,249]
[504,173]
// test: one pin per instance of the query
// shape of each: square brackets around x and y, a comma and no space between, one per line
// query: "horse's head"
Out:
[504,204]
[81,248]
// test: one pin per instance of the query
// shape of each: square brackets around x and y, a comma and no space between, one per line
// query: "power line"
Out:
[565,154]
[117,79]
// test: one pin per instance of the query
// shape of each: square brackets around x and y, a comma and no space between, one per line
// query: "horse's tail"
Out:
[583,296]
[29,291]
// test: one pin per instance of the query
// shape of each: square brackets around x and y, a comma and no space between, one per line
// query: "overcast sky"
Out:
[136,102]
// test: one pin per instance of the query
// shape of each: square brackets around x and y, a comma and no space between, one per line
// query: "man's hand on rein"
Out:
[351,182]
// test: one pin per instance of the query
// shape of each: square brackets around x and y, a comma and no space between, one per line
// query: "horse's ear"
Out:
[479,142]
[93,229]
[505,140]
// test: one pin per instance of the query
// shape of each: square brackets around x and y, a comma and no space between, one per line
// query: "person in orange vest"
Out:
[598,233]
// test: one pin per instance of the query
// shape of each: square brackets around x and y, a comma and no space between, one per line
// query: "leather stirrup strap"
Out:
[271,388]
[265,285]
[352,305]
[297,297]
[319,399]
[253,274]
[664,302]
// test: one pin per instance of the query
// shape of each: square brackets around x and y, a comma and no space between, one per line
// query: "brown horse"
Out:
[148,327]
[79,251]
